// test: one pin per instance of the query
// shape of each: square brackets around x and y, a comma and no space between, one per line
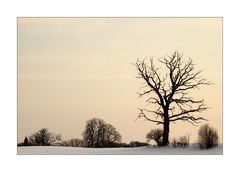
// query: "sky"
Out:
[73,69]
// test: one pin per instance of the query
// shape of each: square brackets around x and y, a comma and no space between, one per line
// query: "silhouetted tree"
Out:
[207,137]
[97,133]
[110,135]
[25,141]
[42,137]
[73,142]
[156,135]
[45,138]
[168,94]
[90,132]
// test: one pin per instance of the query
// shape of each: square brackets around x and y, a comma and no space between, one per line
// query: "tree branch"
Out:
[142,114]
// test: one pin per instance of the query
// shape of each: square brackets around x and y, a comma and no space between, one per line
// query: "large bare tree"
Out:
[167,91]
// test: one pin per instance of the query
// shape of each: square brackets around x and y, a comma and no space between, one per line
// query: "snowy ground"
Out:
[146,150]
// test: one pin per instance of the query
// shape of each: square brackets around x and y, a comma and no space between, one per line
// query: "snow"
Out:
[145,150]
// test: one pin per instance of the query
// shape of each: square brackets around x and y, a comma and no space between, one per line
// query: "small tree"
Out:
[156,135]
[26,141]
[207,137]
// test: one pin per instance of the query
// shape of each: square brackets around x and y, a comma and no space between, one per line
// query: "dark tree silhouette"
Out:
[156,135]
[207,137]
[45,138]
[168,94]
[74,142]
[25,143]
[90,132]
[42,137]
[97,133]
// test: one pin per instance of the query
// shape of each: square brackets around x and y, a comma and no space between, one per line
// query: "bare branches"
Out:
[184,115]
[153,100]
[142,114]
[150,75]
[182,74]
[191,119]
[171,90]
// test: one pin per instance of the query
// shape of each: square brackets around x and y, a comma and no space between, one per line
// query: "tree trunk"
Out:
[165,141]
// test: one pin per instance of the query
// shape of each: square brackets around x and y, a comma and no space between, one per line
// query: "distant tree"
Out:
[89,134]
[45,138]
[183,142]
[25,141]
[207,137]
[31,140]
[110,135]
[155,135]
[55,139]
[42,137]
[73,142]
[168,94]
[97,133]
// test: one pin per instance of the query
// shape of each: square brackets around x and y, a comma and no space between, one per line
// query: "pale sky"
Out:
[73,69]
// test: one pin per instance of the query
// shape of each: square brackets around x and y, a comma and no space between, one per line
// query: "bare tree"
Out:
[110,135]
[90,132]
[98,133]
[168,94]
[207,137]
[156,135]
[55,139]
[44,138]
[74,142]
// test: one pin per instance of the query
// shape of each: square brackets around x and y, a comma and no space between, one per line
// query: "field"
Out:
[145,150]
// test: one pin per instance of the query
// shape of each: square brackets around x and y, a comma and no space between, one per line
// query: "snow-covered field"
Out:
[146,150]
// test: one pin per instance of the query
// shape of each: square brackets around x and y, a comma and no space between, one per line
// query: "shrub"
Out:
[207,137]
[137,144]
[156,135]
[183,142]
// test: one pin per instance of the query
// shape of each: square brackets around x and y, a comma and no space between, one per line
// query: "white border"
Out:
[11,9]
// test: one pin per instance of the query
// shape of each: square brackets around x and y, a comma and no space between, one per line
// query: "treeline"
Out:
[42,138]
[97,133]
